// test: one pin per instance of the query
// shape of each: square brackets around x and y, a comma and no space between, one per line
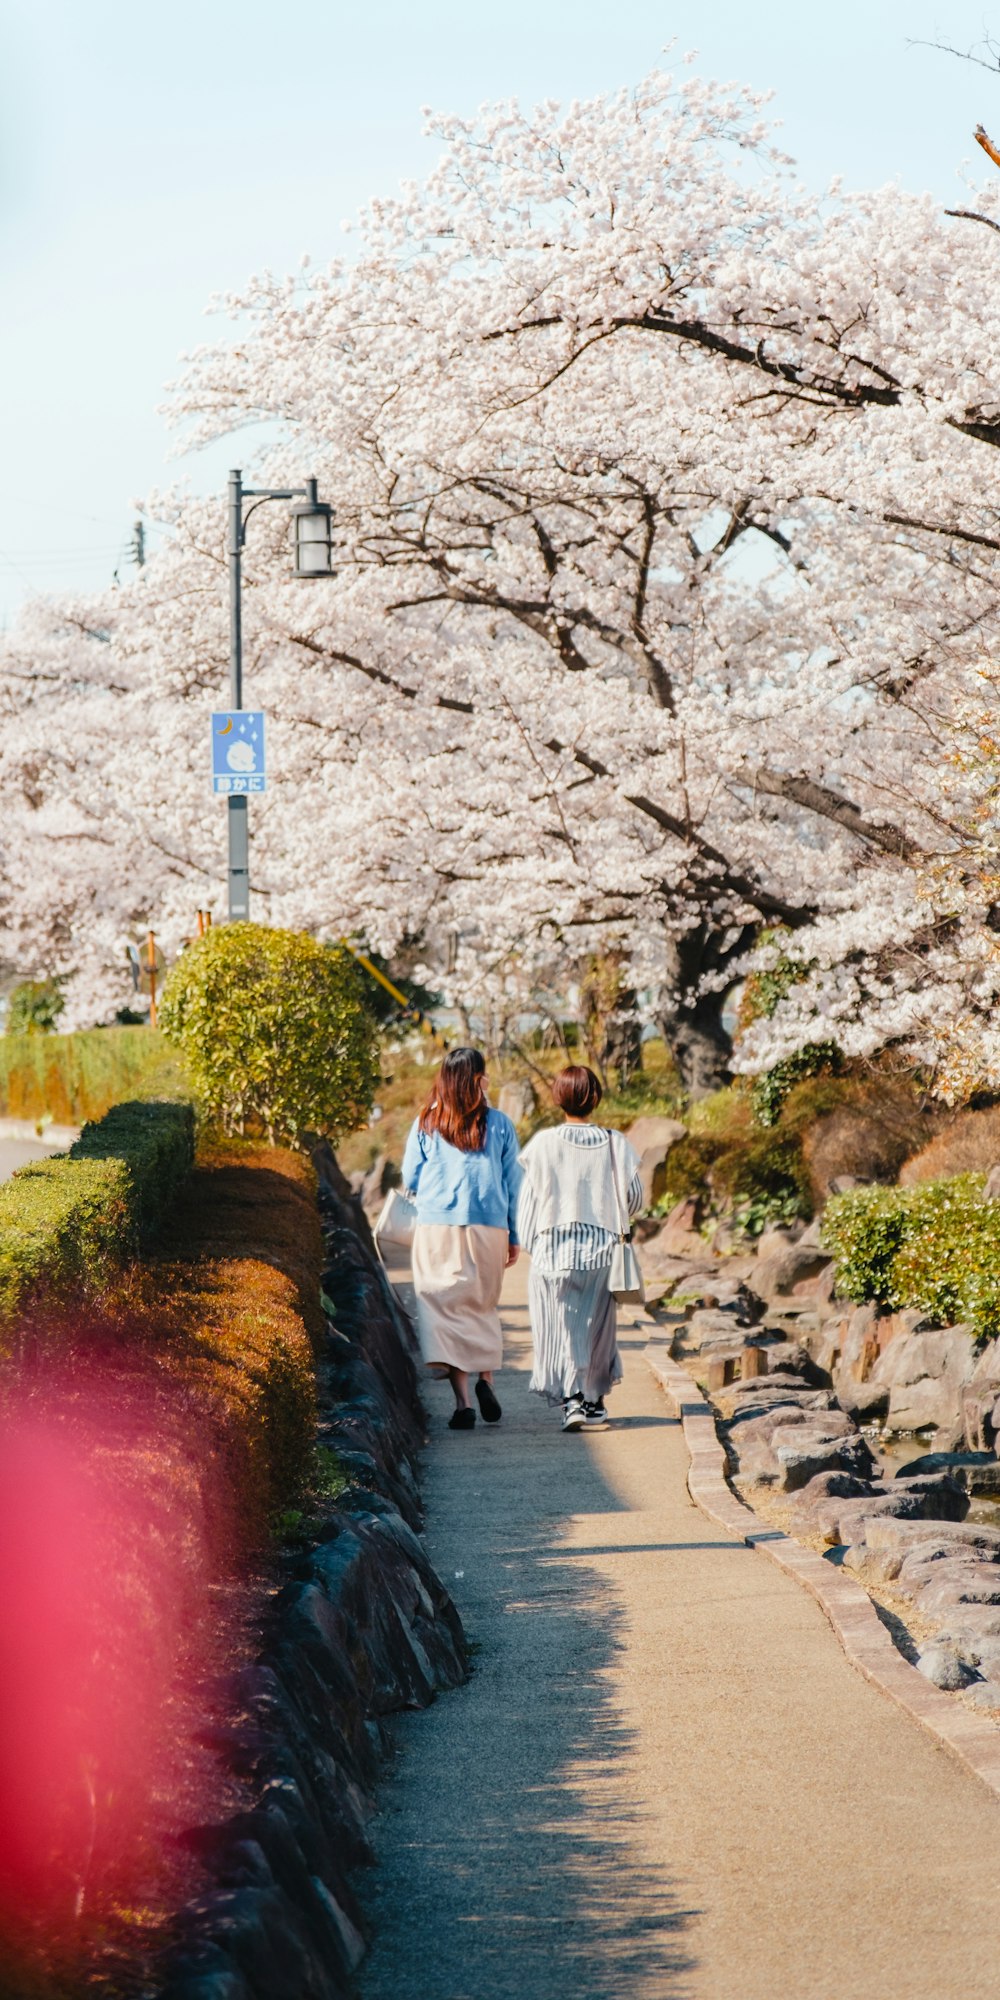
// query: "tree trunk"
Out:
[611,1030]
[689,1019]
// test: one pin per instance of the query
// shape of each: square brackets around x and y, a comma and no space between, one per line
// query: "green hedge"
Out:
[936,1247]
[67,1224]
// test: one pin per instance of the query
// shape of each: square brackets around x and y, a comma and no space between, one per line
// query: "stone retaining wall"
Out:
[362,1627]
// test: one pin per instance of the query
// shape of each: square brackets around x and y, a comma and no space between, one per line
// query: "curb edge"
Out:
[849,1609]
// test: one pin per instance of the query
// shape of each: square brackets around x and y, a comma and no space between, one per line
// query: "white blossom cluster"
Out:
[666,590]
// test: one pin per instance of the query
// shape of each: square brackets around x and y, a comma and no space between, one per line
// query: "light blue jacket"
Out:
[448,1185]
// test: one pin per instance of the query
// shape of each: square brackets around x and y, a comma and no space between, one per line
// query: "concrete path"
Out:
[663,1780]
[16,1153]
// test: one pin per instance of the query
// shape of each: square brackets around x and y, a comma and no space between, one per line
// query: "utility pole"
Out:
[312,521]
[151,969]
[239,824]
[139,543]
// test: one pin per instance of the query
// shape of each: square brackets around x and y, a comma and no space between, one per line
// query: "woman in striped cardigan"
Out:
[581,1184]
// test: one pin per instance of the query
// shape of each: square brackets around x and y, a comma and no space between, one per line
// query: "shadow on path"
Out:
[506,1866]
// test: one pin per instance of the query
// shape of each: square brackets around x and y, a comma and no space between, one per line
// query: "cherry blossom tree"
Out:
[665,582]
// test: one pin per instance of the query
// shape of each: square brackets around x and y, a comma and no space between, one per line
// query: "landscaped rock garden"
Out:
[361,1627]
[866,1433]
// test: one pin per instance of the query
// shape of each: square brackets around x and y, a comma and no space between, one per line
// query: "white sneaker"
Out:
[574,1413]
[595,1416]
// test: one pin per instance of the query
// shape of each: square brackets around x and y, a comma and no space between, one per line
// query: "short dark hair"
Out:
[577,1090]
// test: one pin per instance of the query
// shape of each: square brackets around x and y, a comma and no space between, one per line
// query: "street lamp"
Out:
[313,557]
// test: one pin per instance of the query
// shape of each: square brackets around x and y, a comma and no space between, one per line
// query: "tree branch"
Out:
[816,798]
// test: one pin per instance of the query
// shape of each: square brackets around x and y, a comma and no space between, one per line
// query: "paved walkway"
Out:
[663,1780]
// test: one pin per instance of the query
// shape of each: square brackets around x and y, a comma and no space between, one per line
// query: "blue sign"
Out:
[238,763]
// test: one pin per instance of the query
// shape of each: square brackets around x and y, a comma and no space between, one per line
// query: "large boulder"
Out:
[653,1138]
[981,1401]
[777,1273]
[852,1373]
[519,1100]
[977,1471]
[852,1520]
[926,1373]
[806,1452]
[956,1582]
[943,1667]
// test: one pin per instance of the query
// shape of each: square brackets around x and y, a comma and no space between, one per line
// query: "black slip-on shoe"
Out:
[489,1408]
[462,1420]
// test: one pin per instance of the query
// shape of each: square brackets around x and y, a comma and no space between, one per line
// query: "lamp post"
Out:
[313,557]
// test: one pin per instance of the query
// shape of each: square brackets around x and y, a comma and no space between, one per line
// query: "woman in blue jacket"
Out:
[460,1169]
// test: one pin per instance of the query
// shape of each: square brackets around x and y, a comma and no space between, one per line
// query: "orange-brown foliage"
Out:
[969,1144]
[869,1135]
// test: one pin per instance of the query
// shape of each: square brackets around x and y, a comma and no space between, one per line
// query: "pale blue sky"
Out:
[150,156]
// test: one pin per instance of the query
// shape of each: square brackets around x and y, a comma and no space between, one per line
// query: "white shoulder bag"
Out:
[625,1276]
[396,1223]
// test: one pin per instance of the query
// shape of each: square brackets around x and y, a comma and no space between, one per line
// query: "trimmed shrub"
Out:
[276,1031]
[69,1078]
[155,1143]
[67,1224]
[936,1247]
[864,1230]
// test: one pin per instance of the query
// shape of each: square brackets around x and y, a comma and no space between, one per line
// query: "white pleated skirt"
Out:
[574,1331]
[457,1275]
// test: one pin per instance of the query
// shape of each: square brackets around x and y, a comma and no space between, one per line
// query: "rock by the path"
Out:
[919,1500]
[761,1429]
[518,1100]
[872,1566]
[790,1357]
[653,1138]
[745,1408]
[977,1471]
[942,1667]
[972,1630]
[791,1447]
[926,1372]
[777,1274]
[812,1453]
[958,1582]
[859,1351]
[983,1694]
[906,1533]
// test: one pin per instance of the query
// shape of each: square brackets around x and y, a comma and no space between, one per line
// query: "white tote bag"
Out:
[396,1223]
[625,1275]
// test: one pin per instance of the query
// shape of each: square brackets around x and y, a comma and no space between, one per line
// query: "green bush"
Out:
[34,1007]
[935,1246]
[864,1231]
[275,1031]
[67,1224]
[754,1177]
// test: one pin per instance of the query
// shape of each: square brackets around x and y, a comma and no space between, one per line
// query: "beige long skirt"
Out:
[457,1274]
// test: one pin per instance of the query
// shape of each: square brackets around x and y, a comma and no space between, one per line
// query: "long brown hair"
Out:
[456,1107]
